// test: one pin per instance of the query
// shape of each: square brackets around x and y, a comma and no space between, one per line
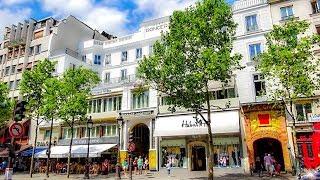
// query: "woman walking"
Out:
[146,165]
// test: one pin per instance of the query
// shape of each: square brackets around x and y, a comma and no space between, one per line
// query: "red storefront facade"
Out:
[309,146]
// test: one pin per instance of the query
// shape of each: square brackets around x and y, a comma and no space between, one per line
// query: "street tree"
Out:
[5,105]
[75,90]
[32,88]
[50,108]
[195,52]
[290,66]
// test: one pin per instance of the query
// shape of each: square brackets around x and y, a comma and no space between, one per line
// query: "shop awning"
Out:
[29,151]
[225,122]
[95,150]
[5,152]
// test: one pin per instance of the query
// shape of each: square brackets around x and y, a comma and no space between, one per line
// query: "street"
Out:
[177,174]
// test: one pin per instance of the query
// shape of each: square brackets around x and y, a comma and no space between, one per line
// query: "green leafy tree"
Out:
[50,108]
[32,88]
[194,53]
[5,105]
[291,66]
[75,88]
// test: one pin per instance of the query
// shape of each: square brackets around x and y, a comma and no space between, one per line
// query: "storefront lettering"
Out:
[186,124]
[314,117]
[100,91]
[134,114]
[157,27]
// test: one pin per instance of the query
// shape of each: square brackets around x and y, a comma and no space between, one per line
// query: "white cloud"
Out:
[161,8]
[9,17]
[12,2]
[103,18]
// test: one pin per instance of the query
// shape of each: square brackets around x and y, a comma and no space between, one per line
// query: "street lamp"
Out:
[293,166]
[120,123]
[89,126]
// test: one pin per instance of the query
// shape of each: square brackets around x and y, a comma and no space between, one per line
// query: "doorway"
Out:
[269,146]
[198,158]
[141,138]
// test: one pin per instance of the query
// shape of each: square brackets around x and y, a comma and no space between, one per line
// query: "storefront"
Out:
[184,141]
[266,132]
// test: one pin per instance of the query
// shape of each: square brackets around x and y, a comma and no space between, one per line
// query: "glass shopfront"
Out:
[175,151]
[227,152]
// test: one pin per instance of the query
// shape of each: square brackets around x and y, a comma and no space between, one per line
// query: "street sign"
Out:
[16,130]
[132,147]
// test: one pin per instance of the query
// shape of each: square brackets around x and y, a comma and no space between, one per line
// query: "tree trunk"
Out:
[210,143]
[294,137]
[34,147]
[69,155]
[49,148]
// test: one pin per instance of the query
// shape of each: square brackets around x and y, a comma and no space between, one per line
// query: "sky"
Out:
[117,17]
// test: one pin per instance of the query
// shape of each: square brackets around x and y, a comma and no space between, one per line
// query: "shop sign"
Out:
[137,114]
[102,140]
[314,117]
[192,123]
[100,91]
[157,27]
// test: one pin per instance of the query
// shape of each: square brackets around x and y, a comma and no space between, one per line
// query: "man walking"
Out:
[268,163]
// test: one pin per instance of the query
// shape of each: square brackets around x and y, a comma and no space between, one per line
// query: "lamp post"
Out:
[293,164]
[89,126]
[118,170]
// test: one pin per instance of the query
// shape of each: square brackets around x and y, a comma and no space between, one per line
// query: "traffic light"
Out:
[19,110]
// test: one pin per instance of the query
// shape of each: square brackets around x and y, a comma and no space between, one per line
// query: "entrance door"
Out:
[199,158]
[269,146]
[141,137]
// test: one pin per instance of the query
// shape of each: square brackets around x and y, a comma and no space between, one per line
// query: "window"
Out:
[95,131]
[303,110]
[124,56]
[222,94]
[300,152]
[1,59]
[66,133]
[124,74]
[286,12]
[13,69]
[38,49]
[90,107]
[254,49]
[7,70]
[72,66]
[84,132]
[139,53]
[31,51]
[151,50]
[109,130]
[251,23]
[309,149]
[84,58]
[17,83]
[112,103]
[47,134]
[97,59]
[315,6]
[11,85]
[318,30]
[140,101]
[107,59]
[107,77]
[259,84]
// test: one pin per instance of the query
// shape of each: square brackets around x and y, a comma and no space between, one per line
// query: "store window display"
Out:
[176,154]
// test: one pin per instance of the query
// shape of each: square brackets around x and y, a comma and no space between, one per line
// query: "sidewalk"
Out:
[177,174]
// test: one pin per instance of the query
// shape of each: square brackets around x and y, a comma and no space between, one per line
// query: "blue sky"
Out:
[118,17]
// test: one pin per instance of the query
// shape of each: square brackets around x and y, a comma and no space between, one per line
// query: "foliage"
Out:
[289,63]
[75,89]
[32,85]
[197,50]
[5,105]
[51,99]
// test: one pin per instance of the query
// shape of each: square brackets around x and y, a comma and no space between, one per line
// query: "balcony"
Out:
[252,29]
[120,81]
[92,43]
[17,43]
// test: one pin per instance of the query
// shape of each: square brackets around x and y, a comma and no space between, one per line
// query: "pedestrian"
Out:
[104,167]
[268,164]
[168,166]
[125,166]
[135,165]
[146,165]
[259,166]
[140,164]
